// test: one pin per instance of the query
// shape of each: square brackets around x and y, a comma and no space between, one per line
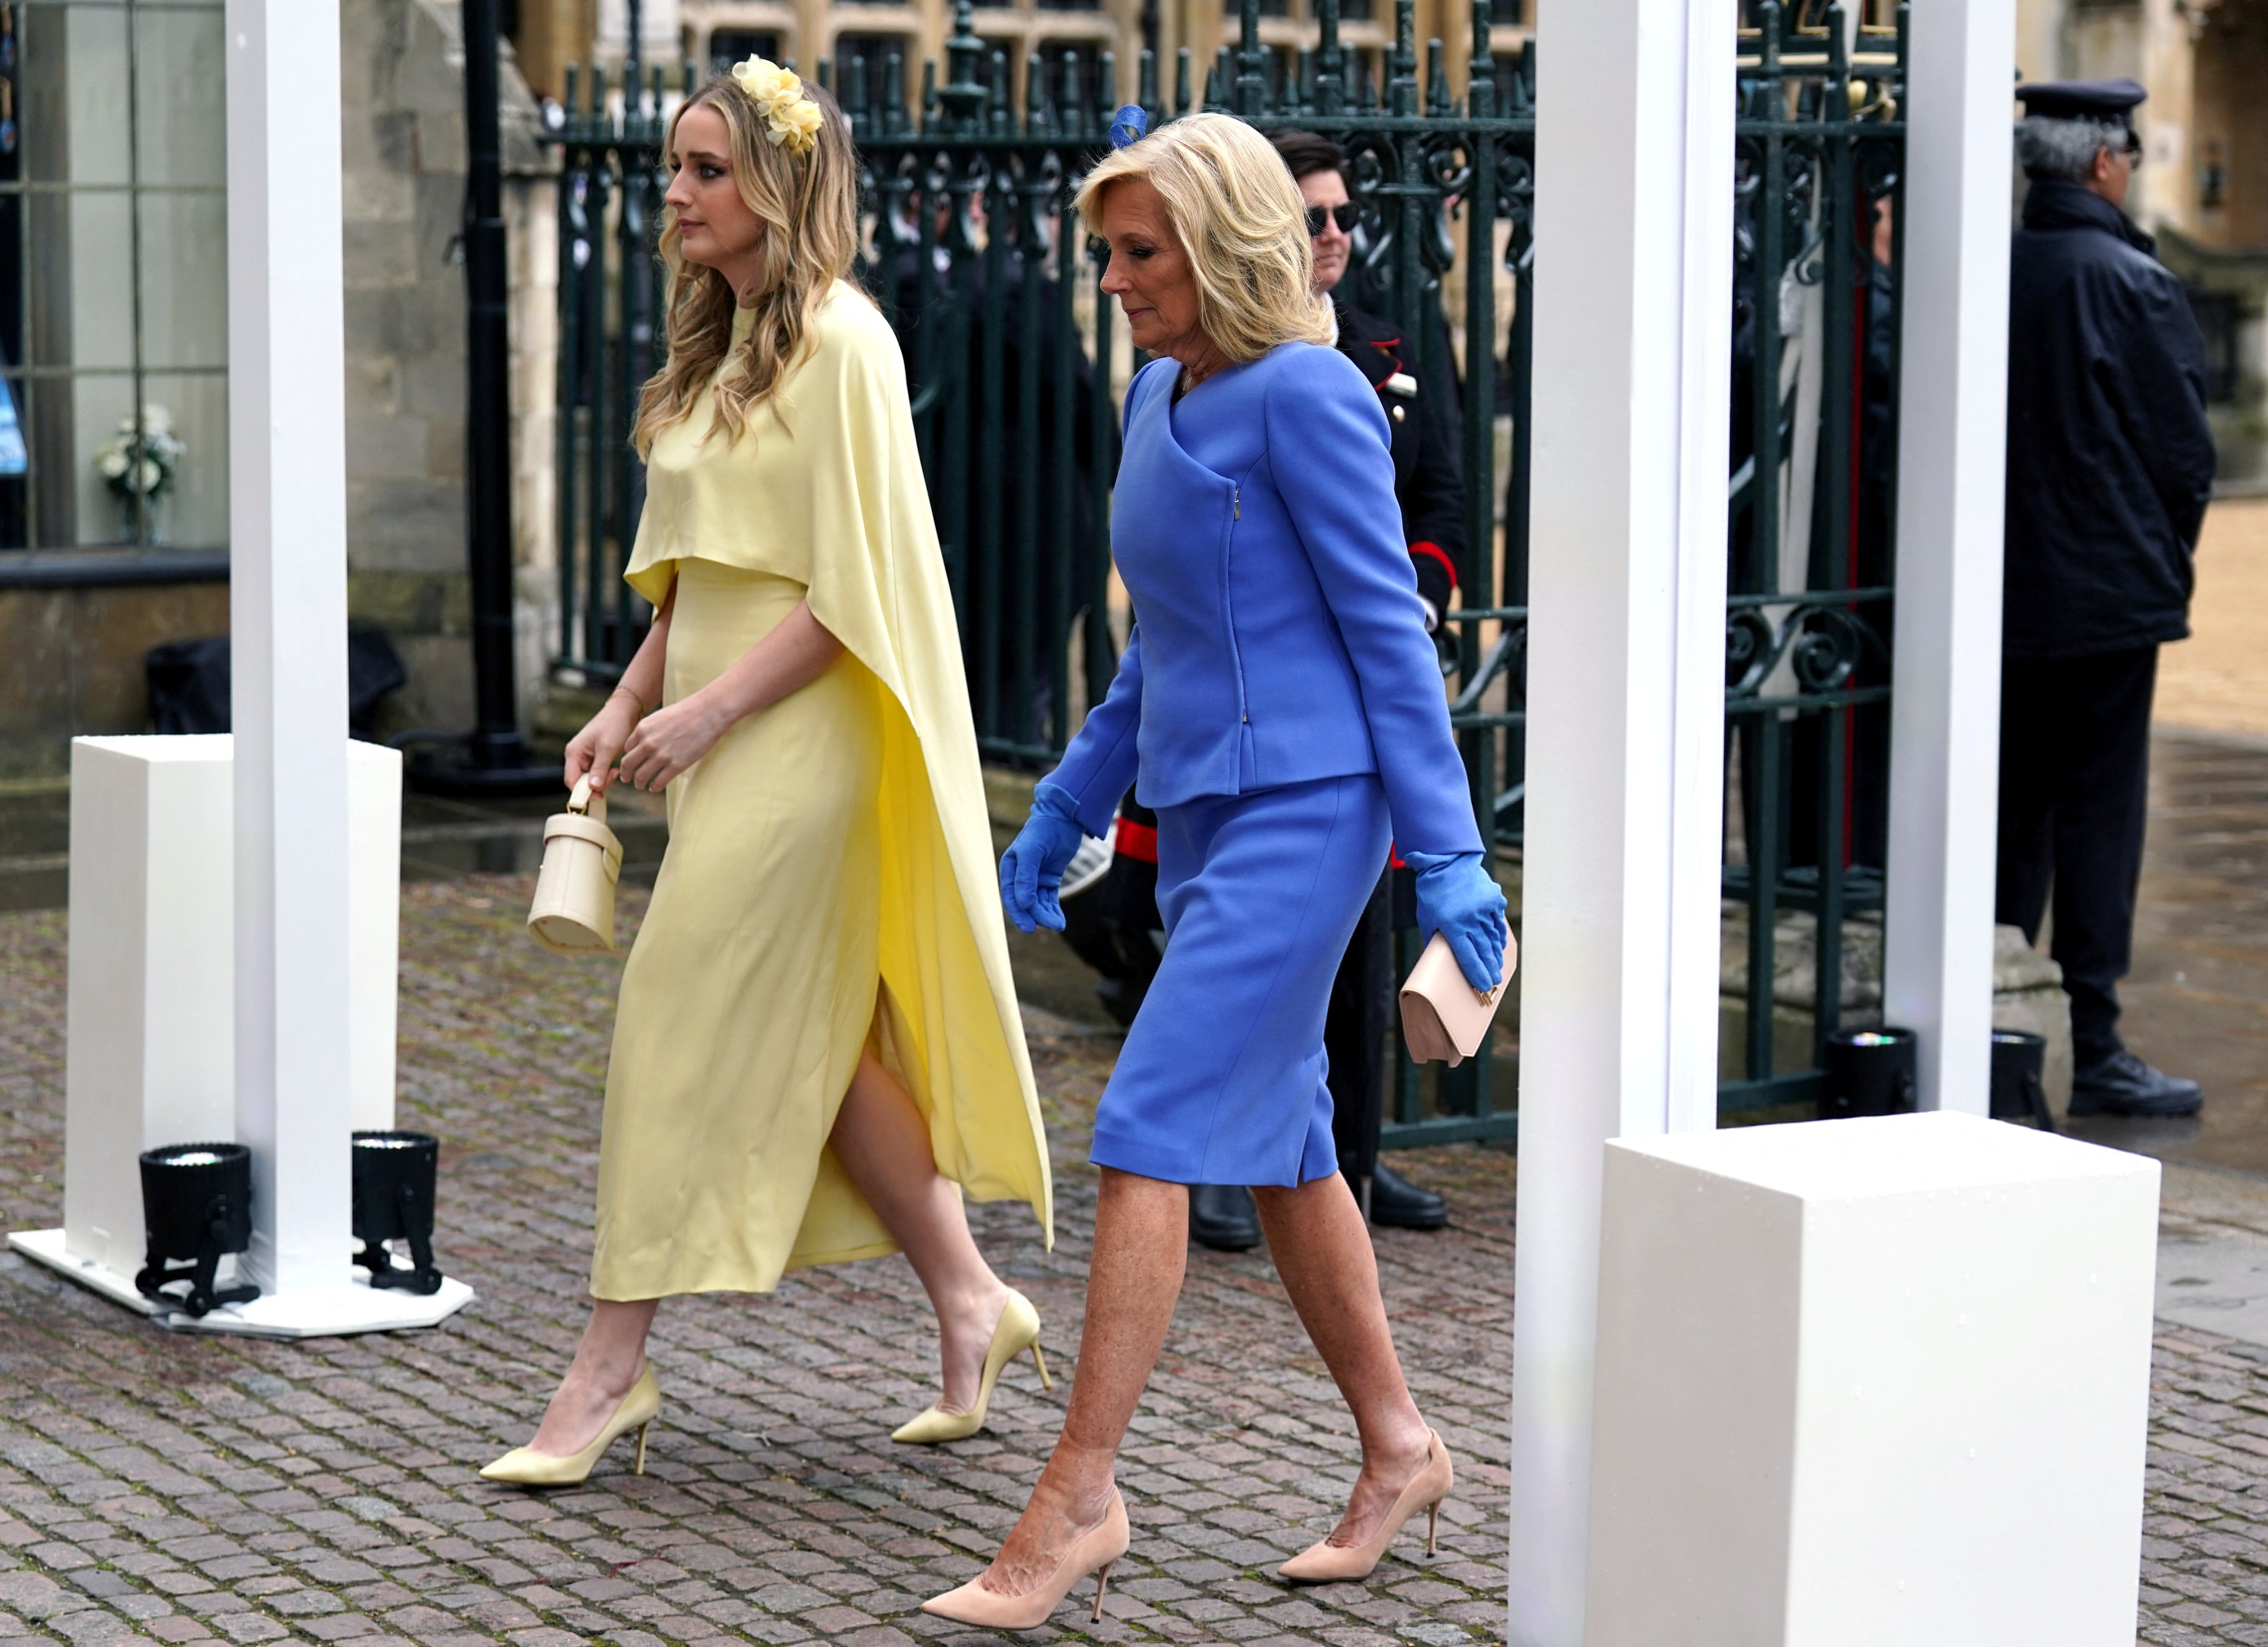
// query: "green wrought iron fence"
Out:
[1016,370]
[1813,504]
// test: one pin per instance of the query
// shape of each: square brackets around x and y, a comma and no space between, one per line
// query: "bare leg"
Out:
[1321,1249]
[1141,1245]
[883,1143]
[606,1362]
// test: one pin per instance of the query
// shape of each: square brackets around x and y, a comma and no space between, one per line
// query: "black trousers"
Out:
[2074,793]
[1357,1025]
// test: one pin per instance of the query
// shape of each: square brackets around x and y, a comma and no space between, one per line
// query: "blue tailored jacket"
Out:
[1278,637]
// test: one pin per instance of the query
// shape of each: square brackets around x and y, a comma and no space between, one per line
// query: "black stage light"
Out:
[2018,1060]
[196,1205]
[395,1173]
[1867,1072]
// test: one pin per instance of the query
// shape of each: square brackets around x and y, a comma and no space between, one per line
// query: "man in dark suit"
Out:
[2110,465]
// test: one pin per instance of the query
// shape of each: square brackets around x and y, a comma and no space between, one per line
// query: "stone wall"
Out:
[76,648]
[404,154]
[74,663]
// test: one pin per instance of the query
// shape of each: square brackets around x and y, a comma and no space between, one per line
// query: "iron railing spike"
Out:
[1251,62]
[961,100]
[1071,91]
[1480,71]
[1403,94]
[1002,111]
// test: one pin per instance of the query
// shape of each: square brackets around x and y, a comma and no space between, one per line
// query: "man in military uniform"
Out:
[2110,465]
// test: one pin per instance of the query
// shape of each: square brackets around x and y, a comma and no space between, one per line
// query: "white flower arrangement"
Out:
[792,118]
[139,460]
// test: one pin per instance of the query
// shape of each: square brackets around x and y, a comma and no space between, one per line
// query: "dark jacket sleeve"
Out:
[2154,378]
[1434,498]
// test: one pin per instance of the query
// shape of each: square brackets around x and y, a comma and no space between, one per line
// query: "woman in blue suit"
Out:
[1279,704]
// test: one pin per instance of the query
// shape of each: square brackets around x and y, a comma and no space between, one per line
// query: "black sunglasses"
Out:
[1345,214]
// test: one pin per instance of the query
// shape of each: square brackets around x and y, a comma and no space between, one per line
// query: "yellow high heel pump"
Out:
[526,1468]
[1017,1331]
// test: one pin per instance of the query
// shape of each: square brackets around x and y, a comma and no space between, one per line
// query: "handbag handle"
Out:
[580,800]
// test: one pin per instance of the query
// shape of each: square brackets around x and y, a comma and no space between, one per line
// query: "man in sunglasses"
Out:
[2110,465]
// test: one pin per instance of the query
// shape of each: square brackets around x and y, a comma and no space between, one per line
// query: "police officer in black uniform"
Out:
[2110,465]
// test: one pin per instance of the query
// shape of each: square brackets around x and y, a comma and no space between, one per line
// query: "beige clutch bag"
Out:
[574,911]
[1444,1016]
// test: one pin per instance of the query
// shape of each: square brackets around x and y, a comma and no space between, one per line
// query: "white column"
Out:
[1625,746]
[1945,707]
[287,480]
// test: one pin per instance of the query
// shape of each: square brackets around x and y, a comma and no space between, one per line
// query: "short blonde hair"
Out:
[1242,221]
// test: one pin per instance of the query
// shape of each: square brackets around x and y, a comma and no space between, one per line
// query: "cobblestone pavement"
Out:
[182,1489]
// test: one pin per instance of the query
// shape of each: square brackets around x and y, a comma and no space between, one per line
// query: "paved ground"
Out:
[179,1488]
[2218,679]
[2196,1001]
[182,1490]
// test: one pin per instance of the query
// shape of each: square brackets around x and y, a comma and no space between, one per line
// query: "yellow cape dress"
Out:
[829,882]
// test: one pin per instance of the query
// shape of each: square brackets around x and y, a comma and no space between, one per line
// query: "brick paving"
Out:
[179,1488]
[186,1488]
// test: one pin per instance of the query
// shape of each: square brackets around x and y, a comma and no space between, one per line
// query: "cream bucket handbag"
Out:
[574,911]
[1444,1016]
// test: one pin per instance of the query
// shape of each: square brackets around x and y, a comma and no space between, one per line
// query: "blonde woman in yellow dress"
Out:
[817,1048]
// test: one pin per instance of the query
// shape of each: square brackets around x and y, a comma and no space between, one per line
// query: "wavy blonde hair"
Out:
[1242,221]
[809,208]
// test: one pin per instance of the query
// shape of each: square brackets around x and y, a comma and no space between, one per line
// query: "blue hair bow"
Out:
[1130,124]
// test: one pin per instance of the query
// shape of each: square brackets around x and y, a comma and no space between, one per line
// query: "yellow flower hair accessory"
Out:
[792,118]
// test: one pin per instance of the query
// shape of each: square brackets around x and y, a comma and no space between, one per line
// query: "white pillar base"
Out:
[151,1058]
[1865,1382]
[316,1312]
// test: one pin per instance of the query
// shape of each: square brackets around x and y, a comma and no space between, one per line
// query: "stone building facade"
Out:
[405,322]
[84,593]
[2203,186]
[553,33]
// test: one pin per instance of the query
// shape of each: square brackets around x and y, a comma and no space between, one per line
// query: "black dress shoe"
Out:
[1399,1204]
[1222,1217]
[2123,1084]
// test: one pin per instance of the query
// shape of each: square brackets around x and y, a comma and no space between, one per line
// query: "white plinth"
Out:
[1873,1382]
[152,1036]
[356,1307]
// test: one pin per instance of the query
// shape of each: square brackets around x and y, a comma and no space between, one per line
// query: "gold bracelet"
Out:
[625,691]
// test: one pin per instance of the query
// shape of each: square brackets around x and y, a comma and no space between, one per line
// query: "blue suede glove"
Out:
[1031,868]
[1460,900]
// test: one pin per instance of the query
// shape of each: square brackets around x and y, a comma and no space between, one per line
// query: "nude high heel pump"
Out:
[526,1468]
[1017,1330]
[1326,1562]
[1095,1551]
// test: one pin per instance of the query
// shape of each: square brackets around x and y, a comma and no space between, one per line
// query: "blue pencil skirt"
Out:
[1221,1080]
